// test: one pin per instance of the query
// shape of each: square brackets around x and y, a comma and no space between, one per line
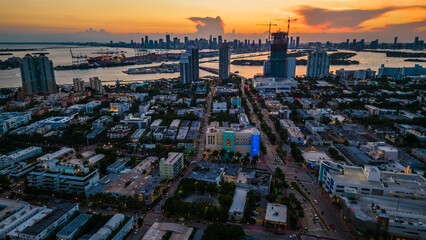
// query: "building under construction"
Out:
[278,58]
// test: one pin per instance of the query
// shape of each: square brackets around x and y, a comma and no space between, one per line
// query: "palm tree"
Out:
[238,155]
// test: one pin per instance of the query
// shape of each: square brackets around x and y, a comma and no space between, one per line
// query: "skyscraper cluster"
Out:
[189,66]
[37,75]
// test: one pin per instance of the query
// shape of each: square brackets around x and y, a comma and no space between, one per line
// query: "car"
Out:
[332,226]
[306,229]
[255,212]
[136,231]
[316,201]
[292,236]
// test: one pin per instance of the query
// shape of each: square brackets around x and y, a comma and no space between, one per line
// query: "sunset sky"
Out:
[30,18]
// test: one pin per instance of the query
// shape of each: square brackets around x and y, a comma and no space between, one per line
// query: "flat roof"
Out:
[158,230]
[9,205]
[239,201]
[232,170]
[173,157]
[276,213]
[408,210]
[52,217]
[127,184]
[74,225]
[353,175]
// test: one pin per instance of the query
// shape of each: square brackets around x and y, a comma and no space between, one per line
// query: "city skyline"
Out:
[317,21]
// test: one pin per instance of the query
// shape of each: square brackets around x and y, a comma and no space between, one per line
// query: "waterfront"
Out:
[60,55]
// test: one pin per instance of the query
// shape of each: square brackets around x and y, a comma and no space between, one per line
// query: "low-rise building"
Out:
[63,179]
[91,106]
[380,150]
[314,159]
[234,139]
[231,173]
[144,107]
[21,155]
[172,166]
[141,120]
[119,108]
[47,225]
[160,132]
[294,133]
[119,131]
[256,180]
[155,124]
[208,172]
[152,190]
[158,230]
[276,214]
[69,231]
[62,155]
[273,85]
[219,107]
[400,218]
[369,180]
[313,126]
[11,120]
[56,122]
[236,210]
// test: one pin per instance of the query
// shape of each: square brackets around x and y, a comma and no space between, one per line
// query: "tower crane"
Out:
[270,24]
[288,22]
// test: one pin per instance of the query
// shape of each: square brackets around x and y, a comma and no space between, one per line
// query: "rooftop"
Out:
[158,230]
[173,157]
[8,205]
[127,184]
[276,213]
[74,225]
[52,217]
[239,201]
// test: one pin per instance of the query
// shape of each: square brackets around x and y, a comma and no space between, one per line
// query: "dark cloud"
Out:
[208,25]
[338,18]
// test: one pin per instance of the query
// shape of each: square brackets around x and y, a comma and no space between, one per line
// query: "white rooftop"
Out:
[276,213]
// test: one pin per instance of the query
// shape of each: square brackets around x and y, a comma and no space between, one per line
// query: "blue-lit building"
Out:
[234,139]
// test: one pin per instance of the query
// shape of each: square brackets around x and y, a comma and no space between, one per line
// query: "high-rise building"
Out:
[297,42]
[278,55]
[96,84]
[79,85]
[186,42]
[168,44]
[395,42]
[318,64]
[146,42]
[37,75]
[189,66]
[220,41]
[291,42]
[374,44]
[291,67]
[224,61]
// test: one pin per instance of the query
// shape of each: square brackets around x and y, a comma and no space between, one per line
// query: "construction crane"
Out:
[288,22]
[270,24]
[76,59]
